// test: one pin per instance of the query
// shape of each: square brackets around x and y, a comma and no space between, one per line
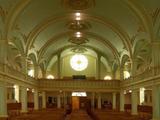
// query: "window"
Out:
[50,77]
[79,62]
[107,77]
[126,74]
[31,73]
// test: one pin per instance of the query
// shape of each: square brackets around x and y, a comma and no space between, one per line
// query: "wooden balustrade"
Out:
[92,85]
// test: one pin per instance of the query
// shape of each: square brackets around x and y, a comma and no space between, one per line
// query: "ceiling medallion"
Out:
[78,25]
[78,49]
[78,4]
[78,40]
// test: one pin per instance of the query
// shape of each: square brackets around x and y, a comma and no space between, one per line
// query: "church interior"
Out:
[79,59]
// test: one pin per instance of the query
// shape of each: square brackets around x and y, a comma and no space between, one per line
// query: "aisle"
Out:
[78,115]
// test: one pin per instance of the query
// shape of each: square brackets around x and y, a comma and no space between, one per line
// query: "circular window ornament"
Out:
[79,62]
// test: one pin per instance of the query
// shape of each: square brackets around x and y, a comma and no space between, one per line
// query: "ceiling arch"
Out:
[97,37]
[13,15]
[142,15]
[70,46]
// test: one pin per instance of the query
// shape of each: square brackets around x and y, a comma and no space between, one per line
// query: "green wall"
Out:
[89,71]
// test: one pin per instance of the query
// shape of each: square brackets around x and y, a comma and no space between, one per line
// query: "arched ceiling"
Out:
[42,25]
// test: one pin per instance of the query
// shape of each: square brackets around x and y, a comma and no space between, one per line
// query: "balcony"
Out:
[145,79]
[79,85]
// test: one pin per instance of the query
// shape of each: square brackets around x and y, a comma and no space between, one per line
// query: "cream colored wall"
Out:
[89,71]
[104,71]
[54,70]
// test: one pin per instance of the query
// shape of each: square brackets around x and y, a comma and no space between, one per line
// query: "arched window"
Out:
[107,77]
[50,77]
[31,73]
[126,74]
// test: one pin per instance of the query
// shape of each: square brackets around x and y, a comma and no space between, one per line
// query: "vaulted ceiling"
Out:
[112,27]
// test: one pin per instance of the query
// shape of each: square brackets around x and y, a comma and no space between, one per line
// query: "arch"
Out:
[99,38]
[108,23]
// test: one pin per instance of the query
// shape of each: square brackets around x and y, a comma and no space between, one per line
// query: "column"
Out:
[44,73]
[114,101]
[121,72]
[134,102]
[134,66]
[156,57]
[64,98]
[24,99]
[59,66]
[93,100]
[16,93]
[148,99]
[43,99]
[3,51]
[36,70]
[98,66]
[58,101]
[156,102]
[10,95]
[24,63]
[99,101]
[3,100]
[122,100]
[36,99]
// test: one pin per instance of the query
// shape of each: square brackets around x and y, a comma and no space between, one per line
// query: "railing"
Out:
[147,78]
[93,85]
[15,76]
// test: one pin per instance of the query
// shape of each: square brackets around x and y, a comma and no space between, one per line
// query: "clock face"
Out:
[79,62]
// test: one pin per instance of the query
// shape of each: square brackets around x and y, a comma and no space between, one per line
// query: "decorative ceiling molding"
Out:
[52,20]
[78,49]
[78,25]
[143,17]
[13,15]
[78,40]
[78,4]
[93,35]
[3,14]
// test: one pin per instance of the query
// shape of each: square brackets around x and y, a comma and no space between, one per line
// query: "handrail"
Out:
[45,84]
[15,76]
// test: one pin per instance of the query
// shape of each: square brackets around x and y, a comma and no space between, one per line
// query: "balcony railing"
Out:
[148,77]
[87,85]
[15,76]
[145,78]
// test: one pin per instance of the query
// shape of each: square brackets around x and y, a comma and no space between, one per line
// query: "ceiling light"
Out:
[78,14]
[78,33]
[78,18]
